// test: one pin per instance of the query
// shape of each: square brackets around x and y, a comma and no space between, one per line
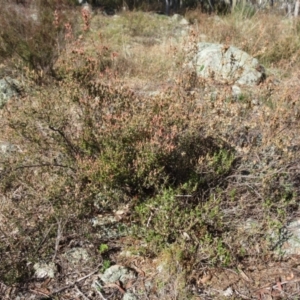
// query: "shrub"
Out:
[205,176]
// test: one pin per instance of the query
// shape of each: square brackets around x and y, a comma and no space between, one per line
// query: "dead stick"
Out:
[77,281]
[81,293]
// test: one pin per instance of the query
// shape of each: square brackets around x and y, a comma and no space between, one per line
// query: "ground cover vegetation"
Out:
[110,118]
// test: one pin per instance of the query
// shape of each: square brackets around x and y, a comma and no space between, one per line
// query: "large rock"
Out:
[227,64]
[284,242]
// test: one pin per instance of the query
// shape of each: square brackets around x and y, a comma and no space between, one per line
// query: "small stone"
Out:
[236,91]
[228,292]
[6,148]
[43,270]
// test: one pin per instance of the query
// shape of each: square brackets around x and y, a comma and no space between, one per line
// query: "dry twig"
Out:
[75,282]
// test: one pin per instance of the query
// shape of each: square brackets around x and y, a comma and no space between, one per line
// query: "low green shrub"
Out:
[173,218]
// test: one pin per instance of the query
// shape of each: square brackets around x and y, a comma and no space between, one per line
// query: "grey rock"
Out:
[184,22]
[43,270]
[288,240]
[100,221]
[227,64]
[183,33]
[129,296]
[34,15]
[77,255]
[8,88]
[87,8]
[236,91]
[118,273]
[179,19]
[176,18]
[6,148]
[217,19]
[126,253]
[284,242]
[161,267]
[109,226]
[228,292]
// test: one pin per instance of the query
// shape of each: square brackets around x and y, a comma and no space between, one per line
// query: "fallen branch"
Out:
[75,282]
[81,293]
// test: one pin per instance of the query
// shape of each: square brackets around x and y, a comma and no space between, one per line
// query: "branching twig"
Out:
[98,291]
[70,145]
[274,287]
[4,172]
[58,238]
[44,165]
[81,293]
[39,292]
[75,282]
[100,294]
[149,220]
